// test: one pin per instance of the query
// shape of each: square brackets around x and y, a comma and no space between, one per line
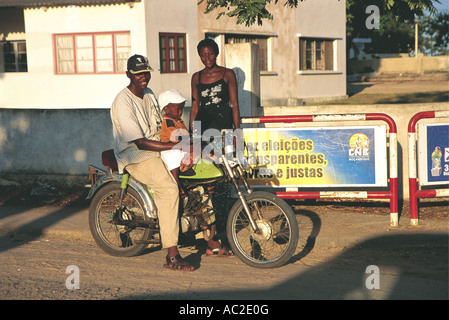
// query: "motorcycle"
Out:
[261,228]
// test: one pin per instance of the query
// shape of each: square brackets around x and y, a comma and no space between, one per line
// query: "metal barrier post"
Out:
[392,194]
[414,193]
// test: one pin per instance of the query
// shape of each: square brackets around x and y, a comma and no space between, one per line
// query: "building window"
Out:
[172,48]
[316,54]
[92,52]
[13,54]
[261,41]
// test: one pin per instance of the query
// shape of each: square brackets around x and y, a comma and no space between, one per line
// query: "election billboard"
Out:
[317,157]
[433,154]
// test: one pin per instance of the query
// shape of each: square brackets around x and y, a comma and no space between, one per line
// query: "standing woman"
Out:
[215,104]
[214,92]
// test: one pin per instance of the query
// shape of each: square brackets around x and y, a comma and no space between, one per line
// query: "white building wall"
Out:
[315,22]
[172,16]
[45,89]
[40,87]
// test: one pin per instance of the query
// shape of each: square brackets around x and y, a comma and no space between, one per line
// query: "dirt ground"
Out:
[36,268]
[397,89]
[412,266]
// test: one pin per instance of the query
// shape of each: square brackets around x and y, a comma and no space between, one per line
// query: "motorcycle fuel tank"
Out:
[205,169]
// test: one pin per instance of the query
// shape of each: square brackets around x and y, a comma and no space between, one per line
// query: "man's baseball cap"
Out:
[170,96]
[138,64]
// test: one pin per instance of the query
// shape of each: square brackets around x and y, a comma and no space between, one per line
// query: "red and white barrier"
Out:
[392,194]
[414,193]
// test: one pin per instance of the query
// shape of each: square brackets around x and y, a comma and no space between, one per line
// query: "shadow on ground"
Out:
[403,262]
[412,266]
[19,200]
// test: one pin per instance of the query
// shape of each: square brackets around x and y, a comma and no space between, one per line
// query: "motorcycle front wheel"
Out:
[110,231]
[276,242]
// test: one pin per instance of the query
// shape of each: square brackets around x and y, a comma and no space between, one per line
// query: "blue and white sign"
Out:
[433,154]
[317,157]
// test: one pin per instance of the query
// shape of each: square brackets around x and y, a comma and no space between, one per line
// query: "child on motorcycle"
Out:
[172,104]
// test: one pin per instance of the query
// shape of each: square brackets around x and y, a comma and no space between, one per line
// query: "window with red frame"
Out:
[82,53]
[172,48]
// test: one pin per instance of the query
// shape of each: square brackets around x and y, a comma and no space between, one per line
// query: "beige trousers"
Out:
[153,172]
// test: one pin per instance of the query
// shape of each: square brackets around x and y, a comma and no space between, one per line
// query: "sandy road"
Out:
[390,87]
[36,269]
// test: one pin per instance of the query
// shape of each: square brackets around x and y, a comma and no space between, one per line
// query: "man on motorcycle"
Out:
[136,120]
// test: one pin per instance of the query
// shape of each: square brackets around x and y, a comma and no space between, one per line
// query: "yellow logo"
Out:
[359,147]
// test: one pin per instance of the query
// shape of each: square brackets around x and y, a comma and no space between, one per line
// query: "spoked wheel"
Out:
[118,232]
[276,242]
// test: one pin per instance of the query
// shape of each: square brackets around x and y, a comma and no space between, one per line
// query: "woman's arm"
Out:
[195,100]
[233,96]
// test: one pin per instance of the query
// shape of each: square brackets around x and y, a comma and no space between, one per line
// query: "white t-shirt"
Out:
[134,118]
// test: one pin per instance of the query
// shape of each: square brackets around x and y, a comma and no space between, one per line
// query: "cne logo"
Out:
[359,147]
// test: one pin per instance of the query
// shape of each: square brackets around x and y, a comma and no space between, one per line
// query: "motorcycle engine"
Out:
[198,211]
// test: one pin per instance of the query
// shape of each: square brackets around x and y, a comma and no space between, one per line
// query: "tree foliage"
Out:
[435,31]
[396,31]
[400,10]
[246,11]
[249,12]
[394,36]
[396,19]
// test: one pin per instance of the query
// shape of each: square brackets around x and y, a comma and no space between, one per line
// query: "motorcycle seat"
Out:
[108,159]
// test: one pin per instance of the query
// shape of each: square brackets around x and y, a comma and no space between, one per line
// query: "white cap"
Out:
[170,96]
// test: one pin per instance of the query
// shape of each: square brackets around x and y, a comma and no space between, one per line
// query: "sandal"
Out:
[177,263]
[221,251]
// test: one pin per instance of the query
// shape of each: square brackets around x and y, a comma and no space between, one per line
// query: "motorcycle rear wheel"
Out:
[115,239]
[275,245]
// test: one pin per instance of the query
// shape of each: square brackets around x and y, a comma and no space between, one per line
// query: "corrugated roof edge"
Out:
[59,3]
